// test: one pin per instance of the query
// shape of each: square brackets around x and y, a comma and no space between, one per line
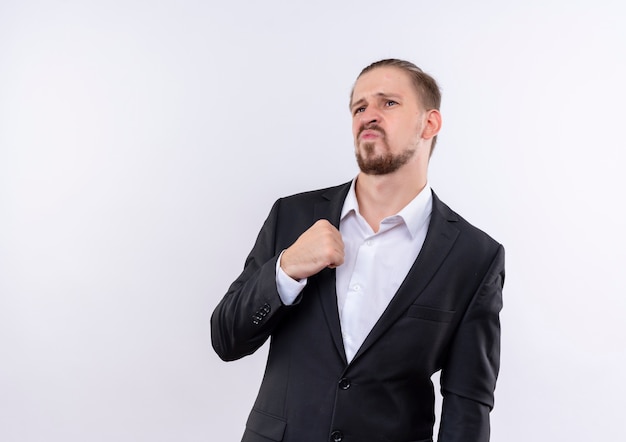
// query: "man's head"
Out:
[395,111]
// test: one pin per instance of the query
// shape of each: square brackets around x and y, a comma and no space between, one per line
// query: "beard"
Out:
[382,164]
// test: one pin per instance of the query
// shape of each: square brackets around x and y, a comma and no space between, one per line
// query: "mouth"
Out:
[369,134]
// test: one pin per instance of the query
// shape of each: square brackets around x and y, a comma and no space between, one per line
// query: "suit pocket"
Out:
[430,314]
[270,427]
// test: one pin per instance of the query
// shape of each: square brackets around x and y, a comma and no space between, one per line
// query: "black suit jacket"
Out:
[445,316]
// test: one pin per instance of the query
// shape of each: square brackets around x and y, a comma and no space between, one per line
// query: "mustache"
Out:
[371,126]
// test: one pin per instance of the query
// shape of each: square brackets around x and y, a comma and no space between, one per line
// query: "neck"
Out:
[380,196]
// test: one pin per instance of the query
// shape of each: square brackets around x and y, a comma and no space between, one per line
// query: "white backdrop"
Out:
[142,144]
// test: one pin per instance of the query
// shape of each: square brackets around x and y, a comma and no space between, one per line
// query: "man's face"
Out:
[387,120]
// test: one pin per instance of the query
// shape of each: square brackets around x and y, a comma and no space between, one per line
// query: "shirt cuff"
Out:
[288,288]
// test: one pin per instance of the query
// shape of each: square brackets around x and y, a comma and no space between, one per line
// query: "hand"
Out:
[319,247]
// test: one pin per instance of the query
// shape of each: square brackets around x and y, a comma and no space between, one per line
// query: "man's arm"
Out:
[252,307]
[468,379]
[244,318]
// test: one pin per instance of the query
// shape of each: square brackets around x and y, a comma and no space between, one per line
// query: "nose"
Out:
[370,115]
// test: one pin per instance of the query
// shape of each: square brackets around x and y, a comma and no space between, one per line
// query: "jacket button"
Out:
[344,383]
[336,436]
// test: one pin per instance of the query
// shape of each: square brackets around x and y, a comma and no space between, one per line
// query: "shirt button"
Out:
[368,242]
[356,287]
[344,383]
[336,436]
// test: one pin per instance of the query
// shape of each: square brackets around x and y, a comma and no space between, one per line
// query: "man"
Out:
[368,288]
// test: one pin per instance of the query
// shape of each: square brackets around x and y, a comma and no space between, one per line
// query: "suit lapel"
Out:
[439,241]
[330,208]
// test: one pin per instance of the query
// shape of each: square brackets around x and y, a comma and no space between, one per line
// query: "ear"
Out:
[433,124]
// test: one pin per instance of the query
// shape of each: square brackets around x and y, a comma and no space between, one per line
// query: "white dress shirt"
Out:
[375,264]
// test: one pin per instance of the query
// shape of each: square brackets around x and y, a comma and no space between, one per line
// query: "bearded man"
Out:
[369,288]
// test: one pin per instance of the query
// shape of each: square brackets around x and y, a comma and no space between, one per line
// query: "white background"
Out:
[142,144]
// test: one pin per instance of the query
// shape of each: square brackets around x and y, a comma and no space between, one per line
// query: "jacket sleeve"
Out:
[468,378]
[251,308]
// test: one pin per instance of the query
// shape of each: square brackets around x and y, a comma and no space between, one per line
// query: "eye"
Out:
[358,110]
[390,103]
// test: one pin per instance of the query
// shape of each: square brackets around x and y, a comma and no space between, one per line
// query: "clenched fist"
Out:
[318,247]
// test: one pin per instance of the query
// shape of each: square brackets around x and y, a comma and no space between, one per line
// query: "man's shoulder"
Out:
[327,193]
[468,230]
[297,212]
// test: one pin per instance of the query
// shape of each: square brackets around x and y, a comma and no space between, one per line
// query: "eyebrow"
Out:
[361,101]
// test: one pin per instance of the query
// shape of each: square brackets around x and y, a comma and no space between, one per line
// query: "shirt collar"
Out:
[414,214]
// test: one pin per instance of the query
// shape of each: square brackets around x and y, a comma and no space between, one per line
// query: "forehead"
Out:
[386,80]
